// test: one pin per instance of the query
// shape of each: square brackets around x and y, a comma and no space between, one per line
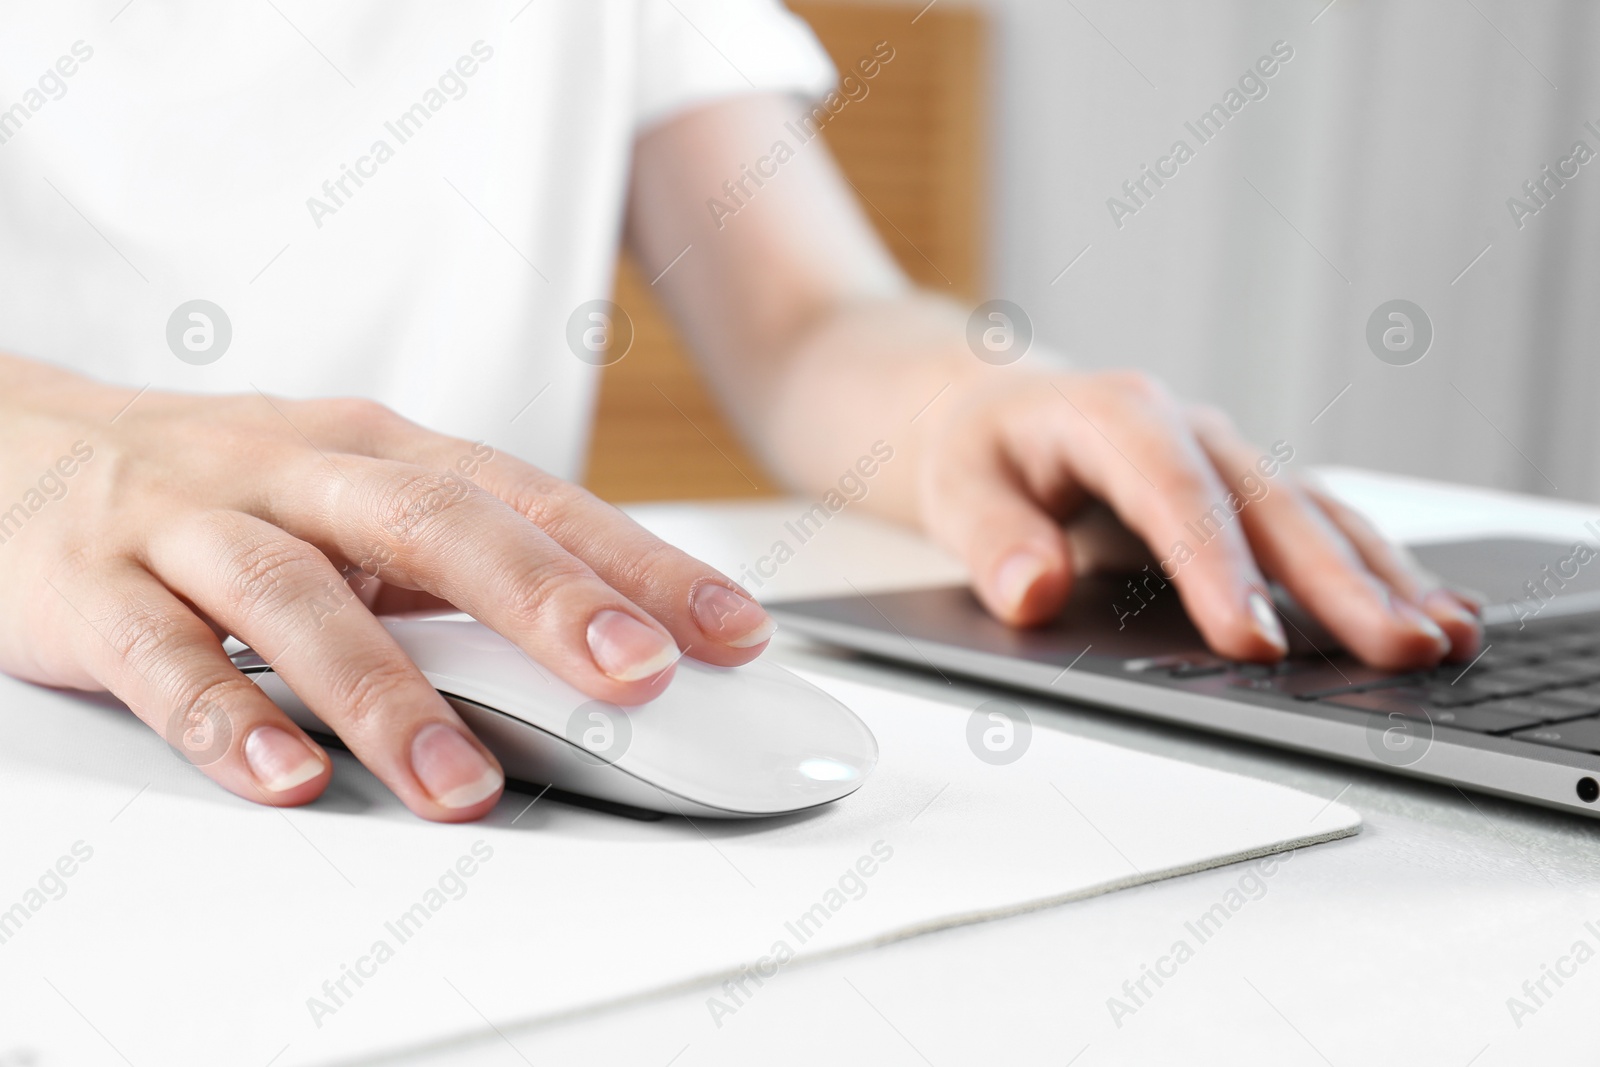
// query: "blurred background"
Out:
[1383,160]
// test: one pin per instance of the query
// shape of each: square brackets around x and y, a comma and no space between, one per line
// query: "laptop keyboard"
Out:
[1538,685]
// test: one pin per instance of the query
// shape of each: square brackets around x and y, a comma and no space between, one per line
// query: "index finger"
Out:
[1367,610]
[434,531]
[1127,441]
[710,616]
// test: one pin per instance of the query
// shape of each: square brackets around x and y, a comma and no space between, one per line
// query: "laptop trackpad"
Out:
[1520,576]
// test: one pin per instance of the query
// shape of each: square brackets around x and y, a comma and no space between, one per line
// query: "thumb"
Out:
[1017,556]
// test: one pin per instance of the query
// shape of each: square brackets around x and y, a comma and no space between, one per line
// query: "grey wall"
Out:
[1381,159]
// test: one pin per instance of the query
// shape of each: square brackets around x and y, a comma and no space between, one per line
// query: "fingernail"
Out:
[627,649]
[453,772]
[736,621]
[1015,578]
[1442,602]
[1267,624]
[279,760]
[1472,602]
[1411,616]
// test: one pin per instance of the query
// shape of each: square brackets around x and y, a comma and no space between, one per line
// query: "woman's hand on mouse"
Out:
[1035,478]
[137,529]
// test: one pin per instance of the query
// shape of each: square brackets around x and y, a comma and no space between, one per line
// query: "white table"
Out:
[1400,945]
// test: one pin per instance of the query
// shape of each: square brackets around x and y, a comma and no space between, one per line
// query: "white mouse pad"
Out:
[148,918]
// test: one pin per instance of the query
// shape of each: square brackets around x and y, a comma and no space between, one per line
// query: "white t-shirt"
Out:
[398,199]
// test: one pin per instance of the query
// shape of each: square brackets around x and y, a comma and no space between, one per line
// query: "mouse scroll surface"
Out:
[728,741]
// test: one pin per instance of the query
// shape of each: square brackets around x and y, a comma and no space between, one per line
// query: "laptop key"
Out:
[1495,658]
[1579,642]
[1572,671]
[1313,681]
[1536,676]
[1196,670]
[1264,670]
[1530,648]
[1575,701]
[1582,735]
[1489,686]
[1532,709]
[1482,719]
[1448,696]
[1182,666]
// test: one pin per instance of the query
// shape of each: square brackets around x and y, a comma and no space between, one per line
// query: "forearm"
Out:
[814,341]
[897,372]
[877,372]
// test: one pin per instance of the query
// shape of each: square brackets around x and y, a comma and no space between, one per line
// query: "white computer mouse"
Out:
[730,742]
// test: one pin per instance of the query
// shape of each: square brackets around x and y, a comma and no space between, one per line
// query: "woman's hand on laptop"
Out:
[822,346]
[136,529]
[1035,478]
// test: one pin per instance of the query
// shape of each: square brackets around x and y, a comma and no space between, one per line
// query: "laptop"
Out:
[1522,720]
